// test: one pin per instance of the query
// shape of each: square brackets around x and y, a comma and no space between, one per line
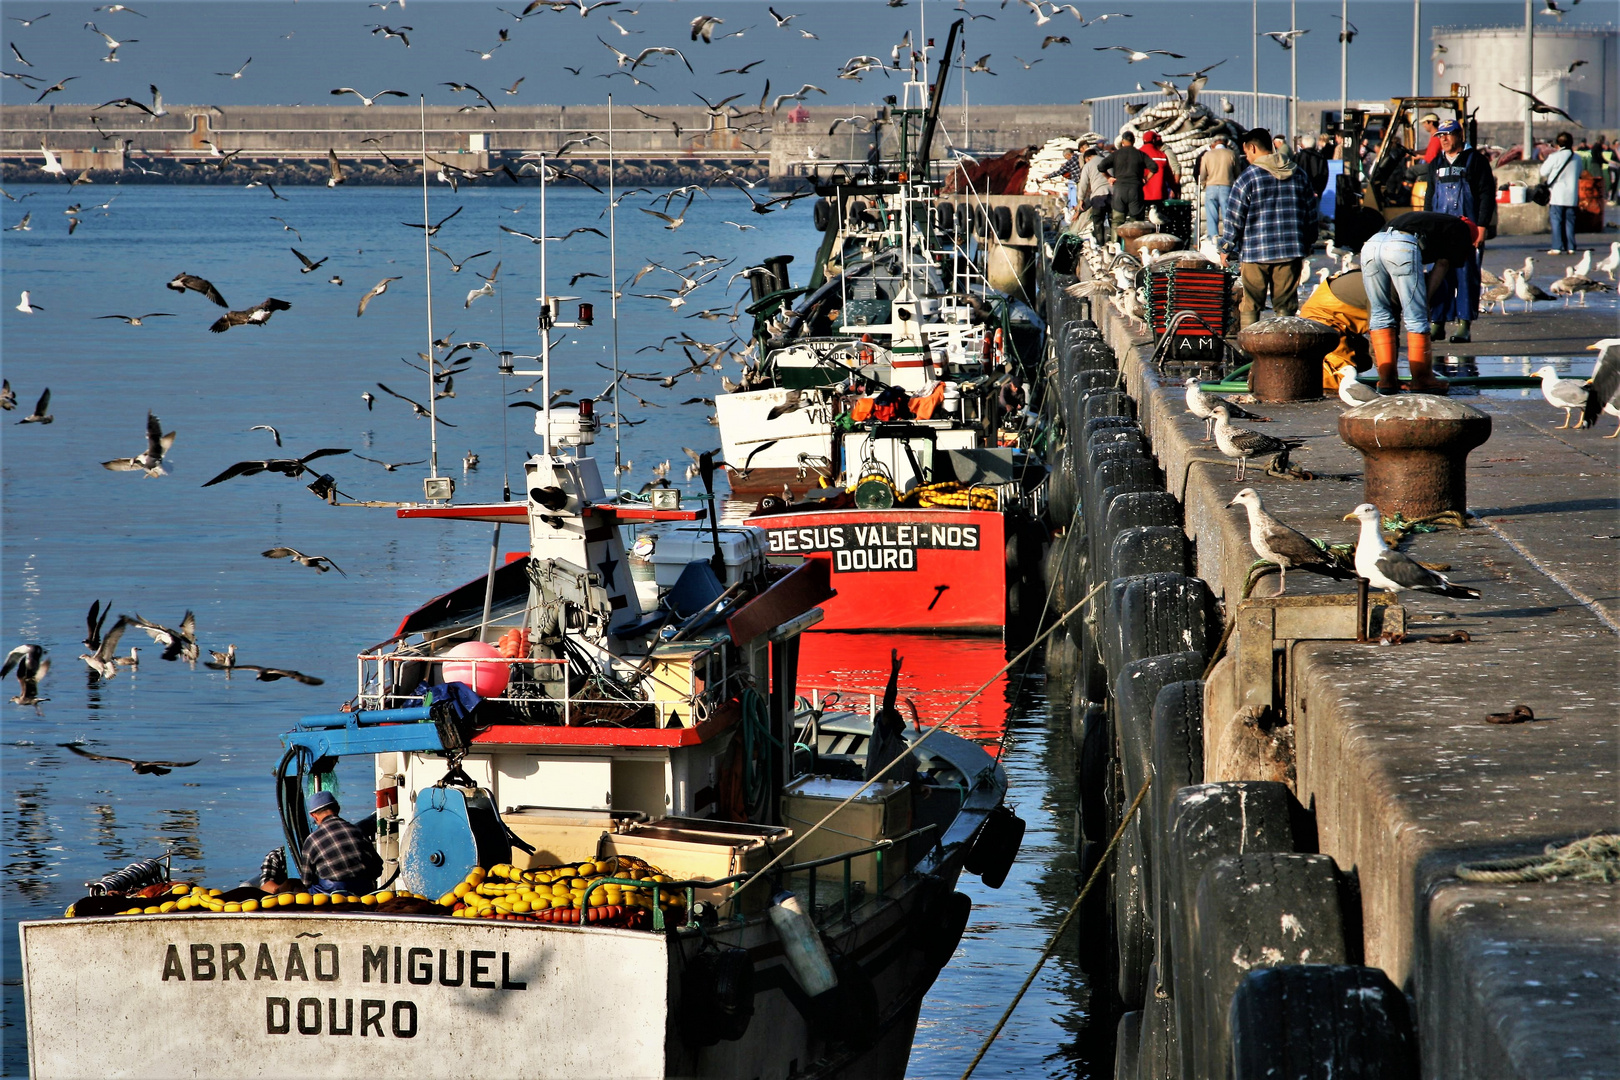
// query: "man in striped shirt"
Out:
[1270,226]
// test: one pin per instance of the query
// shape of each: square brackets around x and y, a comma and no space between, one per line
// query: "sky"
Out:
[300,51]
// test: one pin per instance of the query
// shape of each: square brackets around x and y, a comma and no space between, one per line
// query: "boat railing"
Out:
[691,886]
[383,686]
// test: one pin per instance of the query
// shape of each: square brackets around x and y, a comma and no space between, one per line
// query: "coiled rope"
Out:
[1596,858]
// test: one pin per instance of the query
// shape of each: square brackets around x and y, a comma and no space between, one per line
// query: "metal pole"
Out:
[1417,38]
[1344,57]
[1529,81]
[613,298]
[1293,74]
[1254,56]
[545,330]
[427,265]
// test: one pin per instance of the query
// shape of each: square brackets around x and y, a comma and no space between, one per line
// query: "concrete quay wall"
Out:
[1391,748]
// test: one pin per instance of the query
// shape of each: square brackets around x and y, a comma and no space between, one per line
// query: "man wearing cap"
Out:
[1431,125]
[338,857]
[1461,183]
[1392,264]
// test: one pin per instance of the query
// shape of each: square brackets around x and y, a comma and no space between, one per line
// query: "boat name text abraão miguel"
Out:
[874,547]
[474,969]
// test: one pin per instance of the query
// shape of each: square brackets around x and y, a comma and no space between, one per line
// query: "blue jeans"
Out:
[1215,200]
[1562,219]
[1392,271]
[350,888]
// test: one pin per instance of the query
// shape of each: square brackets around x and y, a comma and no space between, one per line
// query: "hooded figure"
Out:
[1162,184]
[889,734]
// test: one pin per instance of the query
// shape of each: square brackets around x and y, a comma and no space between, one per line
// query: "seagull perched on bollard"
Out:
[1385,568]
[1242,444]
[1287,547]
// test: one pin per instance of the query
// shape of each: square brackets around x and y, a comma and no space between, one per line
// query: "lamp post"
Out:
[1417,24]
[1529,81]
[1293,74]
[1344,57]
[1254,61]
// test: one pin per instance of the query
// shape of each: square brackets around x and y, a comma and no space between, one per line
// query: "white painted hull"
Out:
[753,442]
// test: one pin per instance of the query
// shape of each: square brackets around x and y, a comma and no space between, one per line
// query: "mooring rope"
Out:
[1596,858]
[1057,935]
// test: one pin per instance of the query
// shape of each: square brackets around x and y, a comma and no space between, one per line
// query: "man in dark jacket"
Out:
[1129,167]
[1462,184]
[1313,163]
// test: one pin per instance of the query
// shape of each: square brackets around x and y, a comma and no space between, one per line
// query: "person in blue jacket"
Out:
[1462,184]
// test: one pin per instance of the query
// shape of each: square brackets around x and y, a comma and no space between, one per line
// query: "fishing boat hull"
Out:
[902,569]
[765,453]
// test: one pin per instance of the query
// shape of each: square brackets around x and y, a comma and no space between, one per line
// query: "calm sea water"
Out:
[74,532]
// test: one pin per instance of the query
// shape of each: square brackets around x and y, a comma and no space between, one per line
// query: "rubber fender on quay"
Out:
[1088,428]
[1054,573]
[1148,549]
[1095,378]
[945,216]
[1128,1046]
[1139,508]
[996,847]
[1105,403]
[1001,220]
[1161,613]
[1133,934]
[1027,221]
[855,211]
[1061,492]
[1159,1058]
[1322,1022]
[1208,821]
[1176,757]
[1065,255]
[1108,478]
[1096,744]
[717,996]
[822,214]
[1258,910]
[1128,440]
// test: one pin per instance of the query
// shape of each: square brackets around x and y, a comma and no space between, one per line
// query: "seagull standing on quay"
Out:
[1287,547]
[1385,568]
[1202,404]
[1567,394]
[1603,388]
[1242,444]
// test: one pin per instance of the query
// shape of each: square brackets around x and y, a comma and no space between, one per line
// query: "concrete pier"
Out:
[1391,748]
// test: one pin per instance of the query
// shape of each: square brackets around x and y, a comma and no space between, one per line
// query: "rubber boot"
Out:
[1437,331]
[1383,350]
[1464,333]
[1422,365]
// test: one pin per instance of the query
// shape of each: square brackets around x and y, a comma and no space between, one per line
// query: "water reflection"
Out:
[29,869]
[105,832]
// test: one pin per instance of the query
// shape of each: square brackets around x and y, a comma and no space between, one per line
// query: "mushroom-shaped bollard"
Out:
[1415,449]
[1287,353]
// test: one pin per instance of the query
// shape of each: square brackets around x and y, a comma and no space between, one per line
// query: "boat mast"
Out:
[613,297]
[427,266]
[545,323]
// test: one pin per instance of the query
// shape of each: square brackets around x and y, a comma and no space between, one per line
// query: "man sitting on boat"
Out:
[338,857]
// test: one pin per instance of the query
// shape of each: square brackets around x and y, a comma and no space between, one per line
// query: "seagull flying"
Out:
[1285,38]
[32,665]
[144,768]
[237,74]
[1135,55]
[150,460]
[368,102]
[257,315]
[315,562]
[182,282]
[288,467]
[376,291]
[176,643]
[39,415]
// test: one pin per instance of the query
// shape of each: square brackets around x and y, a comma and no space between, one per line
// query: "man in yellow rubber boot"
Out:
[1392,264]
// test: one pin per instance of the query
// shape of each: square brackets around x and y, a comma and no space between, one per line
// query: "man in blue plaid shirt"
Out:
[1270,225]
[338,857]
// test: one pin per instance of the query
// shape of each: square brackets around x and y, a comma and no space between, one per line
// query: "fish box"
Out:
[557,836]
[689,848]
[743,549]
[881,812]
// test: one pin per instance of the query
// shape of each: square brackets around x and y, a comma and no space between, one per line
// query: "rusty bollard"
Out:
[1287,354]
[1128,232]
[1415,450]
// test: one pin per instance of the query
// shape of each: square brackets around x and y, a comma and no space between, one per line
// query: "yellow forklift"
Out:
[1397,179]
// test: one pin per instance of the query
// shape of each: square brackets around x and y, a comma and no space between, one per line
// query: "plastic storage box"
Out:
[743,548]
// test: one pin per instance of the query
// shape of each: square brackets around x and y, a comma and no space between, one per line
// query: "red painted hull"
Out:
[920,570]
[938,674]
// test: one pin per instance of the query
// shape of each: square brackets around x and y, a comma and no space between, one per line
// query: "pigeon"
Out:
[1287,547]
[176,643]
[1385,568]
[314,562]
[257,315]
[150,460]
[289,467]
[182,282]
[1242,444]
[32,665]
[376,291]
[144,768]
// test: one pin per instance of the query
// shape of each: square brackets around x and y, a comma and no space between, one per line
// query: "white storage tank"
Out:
[1481,57]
